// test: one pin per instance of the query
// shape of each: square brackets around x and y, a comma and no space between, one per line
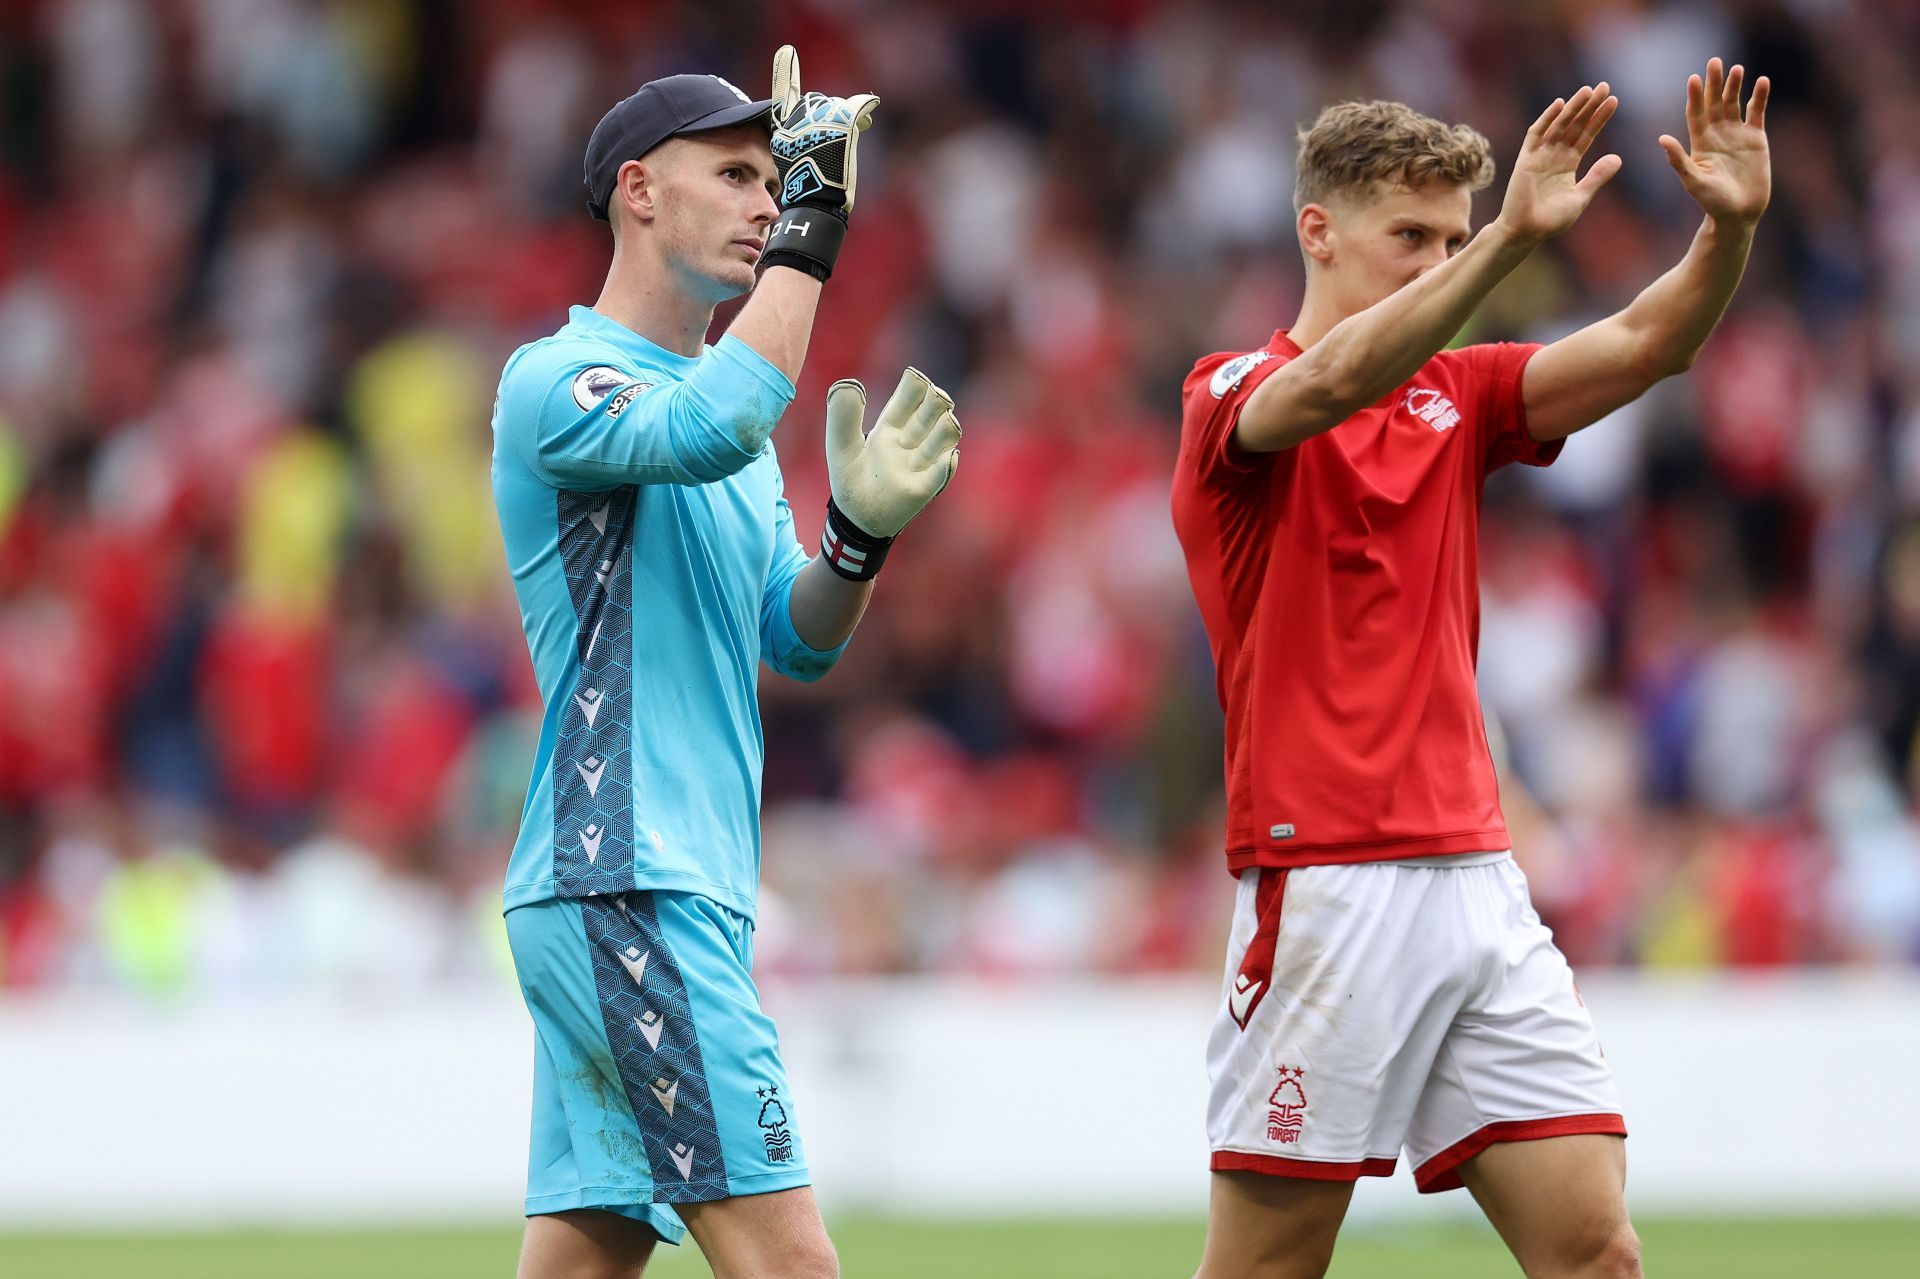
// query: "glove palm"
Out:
[882,478]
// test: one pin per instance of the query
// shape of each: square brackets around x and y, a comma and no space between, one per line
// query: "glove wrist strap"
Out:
[806,238]
[851,551]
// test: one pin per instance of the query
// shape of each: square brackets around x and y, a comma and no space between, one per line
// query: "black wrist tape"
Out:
[851,551]
[807,239]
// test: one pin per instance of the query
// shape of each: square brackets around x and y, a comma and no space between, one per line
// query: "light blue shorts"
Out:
[656,1077]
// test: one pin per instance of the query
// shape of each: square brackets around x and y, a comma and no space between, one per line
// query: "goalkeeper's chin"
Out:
[734,277]
[723,276]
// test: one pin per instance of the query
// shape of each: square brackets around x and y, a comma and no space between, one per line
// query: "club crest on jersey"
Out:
[1433,408]
[1230,374]
[1287,1107]
[590,386]
[773,1123]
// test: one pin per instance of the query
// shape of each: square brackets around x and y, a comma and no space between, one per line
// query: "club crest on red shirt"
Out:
[1433,408]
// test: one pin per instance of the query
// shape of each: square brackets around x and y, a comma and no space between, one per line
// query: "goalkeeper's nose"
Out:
[765,208]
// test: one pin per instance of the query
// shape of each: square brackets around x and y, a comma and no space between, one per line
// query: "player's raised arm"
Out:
[1426,284]
[1725,168]
[698,184]
[815,142]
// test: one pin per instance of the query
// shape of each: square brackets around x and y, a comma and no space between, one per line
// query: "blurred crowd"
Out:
[266,714]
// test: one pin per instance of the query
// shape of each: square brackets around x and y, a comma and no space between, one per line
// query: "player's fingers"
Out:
[1696,104]
[1564,124]
[1677,157]
[862,106]
[1594,103]
[1757,105]
[1715,86]
[1598,121]
[941,440]
[846,418]
[906,397]
[1538,129]
[1599,175]
[786,78]
[1730,100]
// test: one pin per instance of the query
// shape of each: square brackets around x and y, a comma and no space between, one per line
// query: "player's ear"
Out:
[1314,225]
[636,185]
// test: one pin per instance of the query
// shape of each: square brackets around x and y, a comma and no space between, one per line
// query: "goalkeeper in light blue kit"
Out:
[656,565]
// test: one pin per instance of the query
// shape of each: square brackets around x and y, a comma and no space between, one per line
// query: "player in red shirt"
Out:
[1388,982]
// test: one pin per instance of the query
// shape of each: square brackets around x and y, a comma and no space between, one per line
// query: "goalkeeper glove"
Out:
[813,153]
[883,478]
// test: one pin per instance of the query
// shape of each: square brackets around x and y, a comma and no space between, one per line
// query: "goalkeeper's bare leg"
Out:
[771,1236]
[585,1244]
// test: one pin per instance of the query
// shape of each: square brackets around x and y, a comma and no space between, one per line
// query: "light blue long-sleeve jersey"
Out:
[654,558]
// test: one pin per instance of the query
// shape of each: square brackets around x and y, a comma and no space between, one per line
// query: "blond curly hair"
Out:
[1354,145]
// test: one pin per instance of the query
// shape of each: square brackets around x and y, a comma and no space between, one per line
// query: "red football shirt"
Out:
[1339,583]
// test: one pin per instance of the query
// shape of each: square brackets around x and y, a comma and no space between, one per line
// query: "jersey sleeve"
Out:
[781,647]
[1215,392]
[582,419]
[1495,370]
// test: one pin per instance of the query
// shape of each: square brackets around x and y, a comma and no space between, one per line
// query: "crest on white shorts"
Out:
[1287,1107]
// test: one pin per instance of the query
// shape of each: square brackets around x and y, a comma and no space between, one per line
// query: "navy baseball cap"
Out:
[662,109]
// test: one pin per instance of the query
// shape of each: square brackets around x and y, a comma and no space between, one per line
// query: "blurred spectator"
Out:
[265,711]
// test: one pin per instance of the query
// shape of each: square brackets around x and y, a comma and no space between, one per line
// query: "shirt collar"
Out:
[589,321]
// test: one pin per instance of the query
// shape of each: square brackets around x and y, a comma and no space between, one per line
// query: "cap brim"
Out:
[727,117]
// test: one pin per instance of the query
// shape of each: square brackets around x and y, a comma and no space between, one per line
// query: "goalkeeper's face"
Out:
[1369,245]
[712,207]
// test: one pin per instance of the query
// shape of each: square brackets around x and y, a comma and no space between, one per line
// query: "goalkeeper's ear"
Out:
[846,419]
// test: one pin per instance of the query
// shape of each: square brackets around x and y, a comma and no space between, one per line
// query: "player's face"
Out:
[713,204]
[1386,241]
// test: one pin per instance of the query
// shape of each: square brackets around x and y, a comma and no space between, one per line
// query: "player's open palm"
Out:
[1724,166]
[884,477]
[1546,195]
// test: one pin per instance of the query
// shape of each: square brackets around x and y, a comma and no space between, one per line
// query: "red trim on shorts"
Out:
[1442,1172]
[1269,897]
[1307,1169]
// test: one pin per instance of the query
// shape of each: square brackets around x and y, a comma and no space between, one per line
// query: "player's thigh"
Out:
[1560,1203]
[730,1072]
[589,1147]
[1521,1061]
[775,1236]
[1264,1227]
[585,1244]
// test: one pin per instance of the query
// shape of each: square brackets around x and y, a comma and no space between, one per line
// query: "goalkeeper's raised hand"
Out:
[814,150]
[882,478]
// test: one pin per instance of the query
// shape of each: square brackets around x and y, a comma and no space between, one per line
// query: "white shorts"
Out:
[1383,1004]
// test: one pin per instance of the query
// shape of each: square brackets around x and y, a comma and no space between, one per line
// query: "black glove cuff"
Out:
[806,238]
[850,551]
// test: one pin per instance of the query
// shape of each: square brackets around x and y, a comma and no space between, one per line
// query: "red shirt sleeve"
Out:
[1492,379]
[1215,392]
